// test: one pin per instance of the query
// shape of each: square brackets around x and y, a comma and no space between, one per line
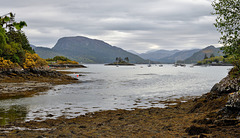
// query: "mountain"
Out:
[157,55]
[83,49]
[133,52]
[33,46]
[181,55]
[200,54]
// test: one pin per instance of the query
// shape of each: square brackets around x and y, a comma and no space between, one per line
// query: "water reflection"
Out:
[15,113]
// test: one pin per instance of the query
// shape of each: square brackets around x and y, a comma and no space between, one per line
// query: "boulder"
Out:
[234,100]
[227,85]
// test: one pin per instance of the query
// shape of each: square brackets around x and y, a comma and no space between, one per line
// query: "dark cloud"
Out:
[139,25]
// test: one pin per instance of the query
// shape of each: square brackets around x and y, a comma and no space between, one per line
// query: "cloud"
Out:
[138,25]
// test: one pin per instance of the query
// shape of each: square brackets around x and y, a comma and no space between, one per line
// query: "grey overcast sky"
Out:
[138,25]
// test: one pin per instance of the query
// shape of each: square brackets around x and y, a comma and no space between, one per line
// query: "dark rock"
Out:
[226,122]
[194,130]
[197,106]
[234,100]
[49,115]
[215,87]
[120,118]
[82,127]
[227,85]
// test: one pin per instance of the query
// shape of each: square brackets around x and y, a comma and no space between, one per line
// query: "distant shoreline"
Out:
[125,64]
[213,64]
[67,65]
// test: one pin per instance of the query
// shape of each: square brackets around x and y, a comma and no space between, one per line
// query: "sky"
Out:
[139,25]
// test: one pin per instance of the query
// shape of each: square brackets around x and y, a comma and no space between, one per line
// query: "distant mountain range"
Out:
[168,56]
[188,56]
[178,56]
[157,55]
[86,50]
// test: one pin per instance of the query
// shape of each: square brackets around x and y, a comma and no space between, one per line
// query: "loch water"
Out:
[110,87]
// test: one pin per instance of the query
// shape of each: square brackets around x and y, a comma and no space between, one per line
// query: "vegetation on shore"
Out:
[19,64]
[15,50]
[218,60]
[60,60]
[227,23]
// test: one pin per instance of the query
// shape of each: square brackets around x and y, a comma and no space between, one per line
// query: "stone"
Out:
[194,130]
[233,100]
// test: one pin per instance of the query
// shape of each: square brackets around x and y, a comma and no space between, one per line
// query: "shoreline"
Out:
[17,84]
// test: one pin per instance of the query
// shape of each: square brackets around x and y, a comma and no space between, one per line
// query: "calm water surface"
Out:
[110,87]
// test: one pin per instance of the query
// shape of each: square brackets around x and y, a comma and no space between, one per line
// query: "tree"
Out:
[126,59]
[212,55]
[205,56]
[119,60]
[15,49]
[227,23]
[61,58]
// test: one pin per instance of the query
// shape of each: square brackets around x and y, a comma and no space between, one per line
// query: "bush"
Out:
[7,65]
[33,61]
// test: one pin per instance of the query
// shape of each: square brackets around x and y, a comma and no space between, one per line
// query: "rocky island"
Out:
[121,62]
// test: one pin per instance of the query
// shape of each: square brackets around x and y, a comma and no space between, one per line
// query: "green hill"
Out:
[86,50]
[198,56]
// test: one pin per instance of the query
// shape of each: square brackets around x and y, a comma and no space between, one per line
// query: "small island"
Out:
[63,62]
[121,62]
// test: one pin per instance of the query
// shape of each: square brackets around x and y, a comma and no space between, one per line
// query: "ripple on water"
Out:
[106,88]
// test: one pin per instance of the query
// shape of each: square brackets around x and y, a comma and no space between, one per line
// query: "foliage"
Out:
[212,55]
[119,60]
[7,64]
[216,60]
[67,62]
[227,23]
[205,56]
[15,50]
[33,61]
[61,60]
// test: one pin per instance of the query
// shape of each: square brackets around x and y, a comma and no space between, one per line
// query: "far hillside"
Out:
[157,55]
[179,56]
[86,50]
[208,51]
